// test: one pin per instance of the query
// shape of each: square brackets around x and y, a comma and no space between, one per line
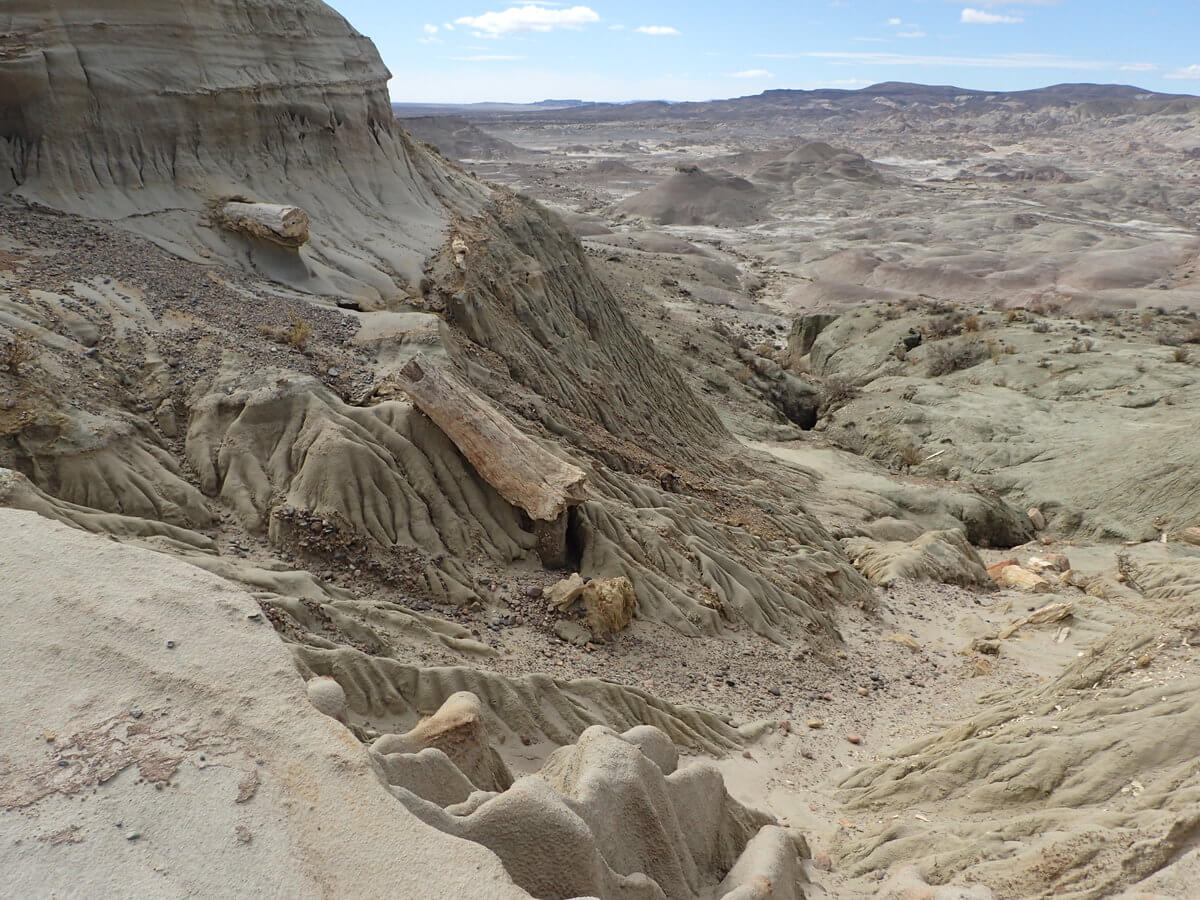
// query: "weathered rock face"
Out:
[151,109]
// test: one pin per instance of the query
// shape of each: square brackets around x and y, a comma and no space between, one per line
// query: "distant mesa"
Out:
[692,196]
[456,138]
[1009,173]
[614,167]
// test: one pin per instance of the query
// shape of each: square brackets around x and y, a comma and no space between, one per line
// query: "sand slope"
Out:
[131,764]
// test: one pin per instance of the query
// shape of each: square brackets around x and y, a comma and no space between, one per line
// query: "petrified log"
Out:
[523,473]
[284,225]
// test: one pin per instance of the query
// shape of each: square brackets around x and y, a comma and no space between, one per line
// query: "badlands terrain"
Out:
[794,496]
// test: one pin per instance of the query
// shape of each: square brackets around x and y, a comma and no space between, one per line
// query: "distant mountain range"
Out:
[1094,100]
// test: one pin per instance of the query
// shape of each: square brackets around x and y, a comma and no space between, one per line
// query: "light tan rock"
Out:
[327,696]
[905,641]
[1022,579]
[609,603]
[995,569]
[1054,562]
[1037,518]
[457,729]
[561,595]
[1190,535]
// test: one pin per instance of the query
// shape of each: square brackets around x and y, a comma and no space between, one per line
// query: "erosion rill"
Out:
[355,537]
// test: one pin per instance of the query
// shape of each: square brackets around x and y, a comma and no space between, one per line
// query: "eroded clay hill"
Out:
[183,403]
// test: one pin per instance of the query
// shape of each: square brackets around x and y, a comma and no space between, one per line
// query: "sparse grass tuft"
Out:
[972,323]
[1181,354]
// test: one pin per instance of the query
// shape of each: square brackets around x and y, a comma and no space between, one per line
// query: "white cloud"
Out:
[656,29]
[616,27]
[447,26]
[1137,67]
[530,18]
[979,17]
[893,21]
[1187,72]
[752,73]
[485,57]
[910,34]
[430,29]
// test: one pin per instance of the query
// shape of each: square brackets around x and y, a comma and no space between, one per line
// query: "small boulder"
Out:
[609,604]
[572,632]
[565,592]
[327,696]
[1036,517]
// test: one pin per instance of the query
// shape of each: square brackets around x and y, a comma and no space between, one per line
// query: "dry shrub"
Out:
[910,455]
[17,353]
[1191,335]
[1041,327]
[1181,354]
[836,393]
[947,358]
[972,323]
[1078,345]
[943,326]
[1014,315]
[295,335]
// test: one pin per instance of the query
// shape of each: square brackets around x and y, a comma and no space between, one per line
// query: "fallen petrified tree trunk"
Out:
[285,225]
[523,473]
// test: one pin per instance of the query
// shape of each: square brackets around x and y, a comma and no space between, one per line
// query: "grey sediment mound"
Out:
[692,196]
[1032,408]
[179,404]
[817,160]
[1051,788]
[943,556]
[177,124]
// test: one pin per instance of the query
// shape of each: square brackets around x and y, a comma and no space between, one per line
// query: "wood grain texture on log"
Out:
[522,472]
[285,225]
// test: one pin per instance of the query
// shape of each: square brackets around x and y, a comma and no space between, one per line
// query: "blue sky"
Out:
[473,50]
